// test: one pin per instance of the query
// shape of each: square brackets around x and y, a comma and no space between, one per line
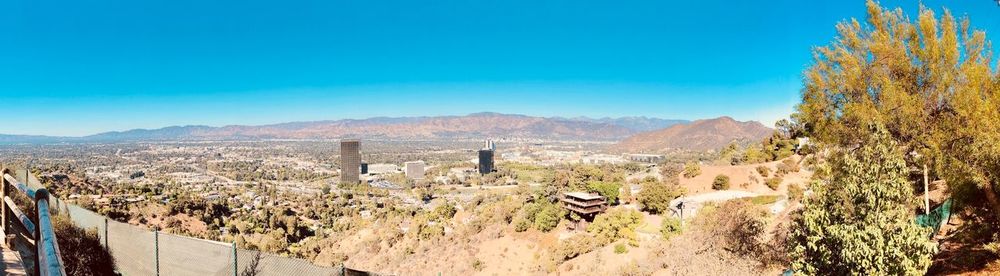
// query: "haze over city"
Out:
[636,138]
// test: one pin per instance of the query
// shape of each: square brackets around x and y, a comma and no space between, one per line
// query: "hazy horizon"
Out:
[378,117]
[72,69]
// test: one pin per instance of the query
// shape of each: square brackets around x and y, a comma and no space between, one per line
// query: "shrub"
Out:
[526,217]
[445,211]
[621,248]
[616,224]
[477,265]
[739,225]
[655,197]
[575,246]
[721,182]
[82,249]
[521,224]
[542,216]
[670,171]
[670,227]
[609,190]
[764,171]
[692,169]
[549,217]
[773,182]
[795,192]
[787,166]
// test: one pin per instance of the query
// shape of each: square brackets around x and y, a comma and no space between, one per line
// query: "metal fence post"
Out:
[106,242]
[156,250]
[236,267]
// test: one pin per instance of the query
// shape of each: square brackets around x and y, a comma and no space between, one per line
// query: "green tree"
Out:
[858,223]
[929,82]
[543,216]
[616,224]
[692,169]
[609,190]
[548,218]
[655,196]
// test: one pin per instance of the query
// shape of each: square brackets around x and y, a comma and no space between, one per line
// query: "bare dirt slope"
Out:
[740,175]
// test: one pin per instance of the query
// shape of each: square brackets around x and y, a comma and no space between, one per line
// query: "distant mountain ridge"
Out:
[635,123]
[476,125]
[700,135]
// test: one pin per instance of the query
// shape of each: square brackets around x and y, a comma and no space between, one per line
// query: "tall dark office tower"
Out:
[350,161]
[364,168]
[485,161]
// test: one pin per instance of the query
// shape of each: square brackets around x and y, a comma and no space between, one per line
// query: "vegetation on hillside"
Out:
[655,196]
[89,256]
[616,224]
[721,182]
[929,86]
[859,221]
[692,169]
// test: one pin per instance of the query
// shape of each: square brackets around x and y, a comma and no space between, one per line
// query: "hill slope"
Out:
[701,135]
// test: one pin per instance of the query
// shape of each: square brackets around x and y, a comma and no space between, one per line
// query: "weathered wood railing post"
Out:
[40,194]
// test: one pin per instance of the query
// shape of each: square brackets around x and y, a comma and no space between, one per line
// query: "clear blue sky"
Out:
[82,67]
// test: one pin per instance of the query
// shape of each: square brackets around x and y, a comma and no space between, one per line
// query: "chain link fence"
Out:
[139,251]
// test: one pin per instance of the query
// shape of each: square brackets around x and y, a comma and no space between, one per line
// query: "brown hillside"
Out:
[701,135]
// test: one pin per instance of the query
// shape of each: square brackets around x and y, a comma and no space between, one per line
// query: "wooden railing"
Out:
[48,260]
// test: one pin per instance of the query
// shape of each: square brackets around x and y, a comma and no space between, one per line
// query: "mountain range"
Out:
[477,125]
[637,134]
[700,135]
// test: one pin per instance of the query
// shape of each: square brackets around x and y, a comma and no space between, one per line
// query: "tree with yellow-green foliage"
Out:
[858,222]
[692,169]
[928,81]
[618,223]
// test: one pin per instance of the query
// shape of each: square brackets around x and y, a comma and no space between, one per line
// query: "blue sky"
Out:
[82,67]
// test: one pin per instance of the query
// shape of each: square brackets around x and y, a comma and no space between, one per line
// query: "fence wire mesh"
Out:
[178,253]
[134,249]
[273,265]
[140,251]
[87,220]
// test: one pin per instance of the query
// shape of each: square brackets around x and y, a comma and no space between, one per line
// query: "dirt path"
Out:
[693,203]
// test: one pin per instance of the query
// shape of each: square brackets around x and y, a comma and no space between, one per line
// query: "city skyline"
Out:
[75,69]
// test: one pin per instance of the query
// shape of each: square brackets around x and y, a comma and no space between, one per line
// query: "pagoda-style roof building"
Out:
[584,204]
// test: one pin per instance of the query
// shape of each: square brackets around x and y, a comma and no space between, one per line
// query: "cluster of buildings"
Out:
[352,167]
